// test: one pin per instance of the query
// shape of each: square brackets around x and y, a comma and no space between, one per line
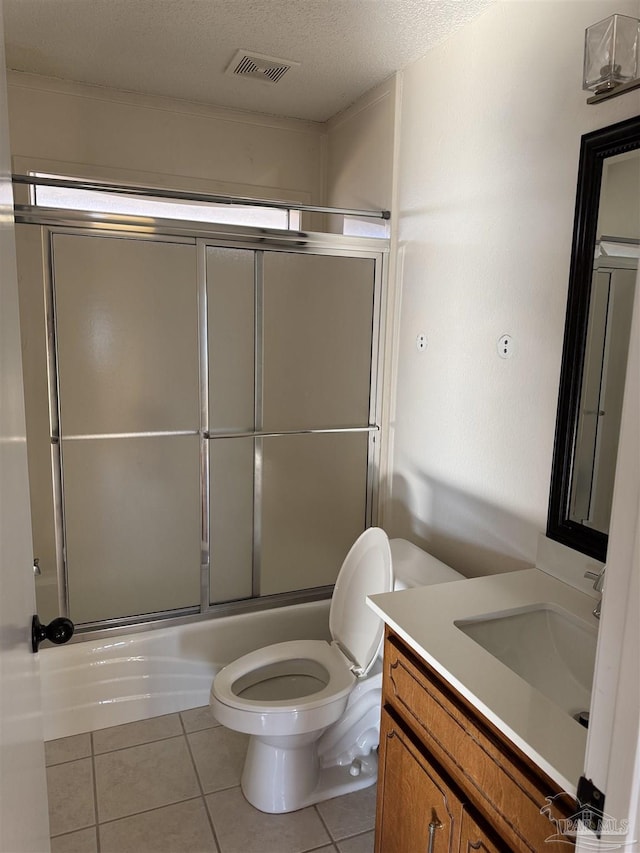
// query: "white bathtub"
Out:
[94,684]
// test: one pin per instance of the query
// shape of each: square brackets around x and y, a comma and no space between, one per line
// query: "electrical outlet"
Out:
[421,342]
[505,346]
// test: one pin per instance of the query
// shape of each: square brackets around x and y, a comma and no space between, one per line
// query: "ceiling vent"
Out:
[256,66]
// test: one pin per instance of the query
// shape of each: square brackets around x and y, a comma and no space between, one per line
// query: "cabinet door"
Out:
[417,811]
[474,838]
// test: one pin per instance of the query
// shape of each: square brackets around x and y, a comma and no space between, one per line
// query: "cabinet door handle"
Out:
[435,824]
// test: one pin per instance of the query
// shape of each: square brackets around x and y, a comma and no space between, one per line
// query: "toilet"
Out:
[312,707]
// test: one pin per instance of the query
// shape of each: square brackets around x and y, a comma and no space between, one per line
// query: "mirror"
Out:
[602,278]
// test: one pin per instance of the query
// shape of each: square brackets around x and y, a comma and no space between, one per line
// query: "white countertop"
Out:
[424,618]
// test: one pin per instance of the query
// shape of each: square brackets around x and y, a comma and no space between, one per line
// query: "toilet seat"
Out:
[289,716]
[335,667]
[337,676]
[287,695]
[366,570]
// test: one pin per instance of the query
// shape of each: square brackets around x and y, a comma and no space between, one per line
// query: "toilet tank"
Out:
[414,567]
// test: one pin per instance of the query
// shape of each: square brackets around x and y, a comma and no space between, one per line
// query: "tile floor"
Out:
[171,785]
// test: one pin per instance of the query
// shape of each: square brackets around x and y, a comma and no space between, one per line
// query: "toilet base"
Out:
[278,780]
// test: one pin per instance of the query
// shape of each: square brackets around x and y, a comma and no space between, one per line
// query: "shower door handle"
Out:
[58,631]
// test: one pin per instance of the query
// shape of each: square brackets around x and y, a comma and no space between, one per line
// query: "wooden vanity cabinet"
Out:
[432,811]
[428,804]
[448,780]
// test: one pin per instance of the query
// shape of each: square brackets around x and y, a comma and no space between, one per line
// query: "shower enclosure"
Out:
[204,412]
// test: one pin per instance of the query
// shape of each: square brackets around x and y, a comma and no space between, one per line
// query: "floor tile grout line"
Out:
[219,791]
[49,764]
[193,762]
[214,725]
[215,790]
[94,777]
[139,743]
[148,811]
[331,844]
[184,728]
[200,785]
[93,732]
[129,746]
[71,831]
[69,761]
[355,835]
[152,809]
[211,824]
[325,824]
[335,841]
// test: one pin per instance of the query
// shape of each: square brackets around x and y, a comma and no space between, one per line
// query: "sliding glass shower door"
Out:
[317,339]
[290,356]
[126,321]
[213,414]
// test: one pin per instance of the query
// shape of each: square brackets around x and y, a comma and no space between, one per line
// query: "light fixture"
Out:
[611,49]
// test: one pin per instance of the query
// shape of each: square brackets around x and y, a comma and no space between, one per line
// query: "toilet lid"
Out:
[366,571]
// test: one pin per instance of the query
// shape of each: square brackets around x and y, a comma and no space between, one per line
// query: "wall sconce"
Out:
[611,50]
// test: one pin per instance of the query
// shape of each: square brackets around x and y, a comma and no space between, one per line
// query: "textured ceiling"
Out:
[180,48]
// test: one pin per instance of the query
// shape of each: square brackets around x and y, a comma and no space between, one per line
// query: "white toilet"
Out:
[312,707]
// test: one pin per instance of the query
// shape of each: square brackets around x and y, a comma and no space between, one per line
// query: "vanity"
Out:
[479,748]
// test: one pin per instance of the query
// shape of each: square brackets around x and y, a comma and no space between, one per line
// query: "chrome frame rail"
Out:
[315,431]
[375,392]
[53,381]
[189,615]
[205,489]
[258,386]
[149,434]
[179,195]
[132,227]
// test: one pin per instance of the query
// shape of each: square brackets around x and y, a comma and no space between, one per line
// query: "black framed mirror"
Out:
[604,261]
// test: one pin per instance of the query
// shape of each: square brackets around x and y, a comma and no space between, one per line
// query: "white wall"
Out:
[361,172]
[106,134]
[360,151]
[490,132]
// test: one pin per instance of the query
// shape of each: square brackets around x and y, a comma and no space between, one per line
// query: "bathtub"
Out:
[98,683]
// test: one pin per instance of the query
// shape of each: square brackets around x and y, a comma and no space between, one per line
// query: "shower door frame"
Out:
[55,222]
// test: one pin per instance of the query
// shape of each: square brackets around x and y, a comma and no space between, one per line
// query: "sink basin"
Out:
[549,648]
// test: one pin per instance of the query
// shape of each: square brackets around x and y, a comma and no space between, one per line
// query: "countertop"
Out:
[424,618]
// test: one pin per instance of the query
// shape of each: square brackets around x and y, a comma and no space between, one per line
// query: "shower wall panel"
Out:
[127,334]
[231,329]
[126,318]
[231,465]
[132,517]
[314,499]
[318,326]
